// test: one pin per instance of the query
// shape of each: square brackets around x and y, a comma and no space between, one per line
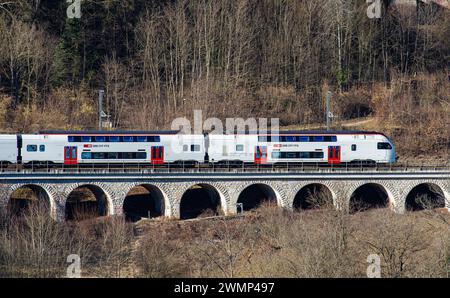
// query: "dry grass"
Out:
[269,242]
[325,243]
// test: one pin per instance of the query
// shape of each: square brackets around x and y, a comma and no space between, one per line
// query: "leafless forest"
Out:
[158,60]
[267,243]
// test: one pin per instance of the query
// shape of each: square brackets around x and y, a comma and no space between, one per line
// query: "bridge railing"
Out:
[223,168]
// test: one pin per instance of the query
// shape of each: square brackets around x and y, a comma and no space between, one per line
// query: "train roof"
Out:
[334,132]
[317,132]
[109,132]
[173,132]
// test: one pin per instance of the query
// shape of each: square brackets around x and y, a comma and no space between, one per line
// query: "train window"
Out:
[141,139]
[86,139]
[318,139]
[114,139]
[316,154]
[99,155]
[293,155]
[240,148]
[384,146]
[42,148]
[275,139]
[86,155]
[291,139]
[113,155]
[128,138]
[263,139]
[303,139]
[353,147]
[330,138]
[153,139]
[31,148]
[185,148]
[297,139]
[141,155]
[126,155]
[100,139]
[276,154]
[195,148]
[74,139]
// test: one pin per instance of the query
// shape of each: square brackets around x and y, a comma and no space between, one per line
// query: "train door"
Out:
[70,155]
[157,155]
[260,155]
[334,155]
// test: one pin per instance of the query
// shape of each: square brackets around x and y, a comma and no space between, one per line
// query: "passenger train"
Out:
[168,147]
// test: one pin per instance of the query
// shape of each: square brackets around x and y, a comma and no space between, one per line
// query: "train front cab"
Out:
[388,149]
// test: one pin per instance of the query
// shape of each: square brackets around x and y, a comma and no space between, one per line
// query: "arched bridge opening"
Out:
[27,199]
[369,196]
[200,200]
[255,195]
[143,201]
[425,196]
[313,196]
[85,202]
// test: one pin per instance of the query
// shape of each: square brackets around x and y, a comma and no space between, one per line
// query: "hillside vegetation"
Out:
[268,243]
[158,60]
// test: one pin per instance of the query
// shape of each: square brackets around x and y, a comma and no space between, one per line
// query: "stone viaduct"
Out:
[227,189]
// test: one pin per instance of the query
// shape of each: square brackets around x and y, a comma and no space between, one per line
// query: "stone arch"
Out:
[138,204]
[252,194]
[313,195]
[87,192]
[225,196]
[426,195]
[48,194]
[369,195]
[200,197]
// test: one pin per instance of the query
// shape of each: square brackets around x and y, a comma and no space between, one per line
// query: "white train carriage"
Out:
[187,149]
[303,147]
[236,148]
[72,148]
[8,149]
[41,149]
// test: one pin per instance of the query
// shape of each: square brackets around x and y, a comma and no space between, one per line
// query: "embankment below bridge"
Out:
[267,243]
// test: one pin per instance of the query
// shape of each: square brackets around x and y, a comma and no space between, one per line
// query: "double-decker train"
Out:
[167,147]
